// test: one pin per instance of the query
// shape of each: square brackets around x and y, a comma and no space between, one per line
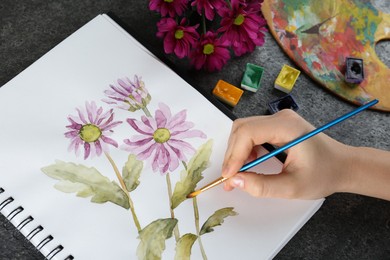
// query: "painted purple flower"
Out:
[128,95]
[242,26]
[161,139]
[177,38]
[210,53]
[208,7]
[168,7]
[90,129]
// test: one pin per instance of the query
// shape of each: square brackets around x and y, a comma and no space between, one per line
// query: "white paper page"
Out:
[34,108]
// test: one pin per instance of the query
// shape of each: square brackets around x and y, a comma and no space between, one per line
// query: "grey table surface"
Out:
[347,226]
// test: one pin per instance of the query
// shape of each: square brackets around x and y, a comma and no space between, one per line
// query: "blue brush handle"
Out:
[307,136]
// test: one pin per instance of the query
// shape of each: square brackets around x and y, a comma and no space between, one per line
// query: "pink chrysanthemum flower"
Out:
[162,139]
[177,38]
[168,7]
[210,53]
[242,26]
[90,129]
[208,7]
[128,95]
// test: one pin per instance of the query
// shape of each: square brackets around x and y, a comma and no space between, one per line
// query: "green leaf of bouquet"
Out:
[131,172]
[190,177]
[184,245]
[217,219]
[153,238]
[86,182]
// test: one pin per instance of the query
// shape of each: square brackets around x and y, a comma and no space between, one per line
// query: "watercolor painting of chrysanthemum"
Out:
[158,141]
[91,128]
[128,94]
[162,138]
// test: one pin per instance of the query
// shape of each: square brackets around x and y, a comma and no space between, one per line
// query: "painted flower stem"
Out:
[146,111]
[122,183]
[169,186]
[196,214]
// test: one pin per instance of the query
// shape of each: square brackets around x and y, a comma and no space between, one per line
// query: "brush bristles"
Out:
[208,186]
[193,194]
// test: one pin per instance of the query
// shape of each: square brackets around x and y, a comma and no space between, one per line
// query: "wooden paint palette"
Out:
[320,35]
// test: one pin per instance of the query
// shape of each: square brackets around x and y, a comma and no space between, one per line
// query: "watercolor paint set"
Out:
[251,81]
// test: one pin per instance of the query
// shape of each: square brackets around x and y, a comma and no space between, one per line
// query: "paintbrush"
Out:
[286,146]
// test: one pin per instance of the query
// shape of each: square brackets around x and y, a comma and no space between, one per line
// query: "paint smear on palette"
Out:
[320,35]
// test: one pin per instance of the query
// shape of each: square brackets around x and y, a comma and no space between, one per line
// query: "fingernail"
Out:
[237,182]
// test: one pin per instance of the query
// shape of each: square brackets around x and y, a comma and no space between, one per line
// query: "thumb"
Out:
[260,185]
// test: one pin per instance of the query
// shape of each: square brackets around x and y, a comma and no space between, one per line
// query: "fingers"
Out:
[265,186]
[243,137]
[246,133]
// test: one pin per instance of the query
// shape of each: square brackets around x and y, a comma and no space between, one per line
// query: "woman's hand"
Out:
[313,169]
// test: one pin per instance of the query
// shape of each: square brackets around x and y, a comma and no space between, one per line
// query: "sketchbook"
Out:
[101,142]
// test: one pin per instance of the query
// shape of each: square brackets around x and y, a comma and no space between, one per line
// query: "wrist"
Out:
[350,169]
[367,172]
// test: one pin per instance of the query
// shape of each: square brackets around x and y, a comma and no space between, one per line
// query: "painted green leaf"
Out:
[217,219]
[131,172]
[153,238]
[86,182]
[190,177]
[184,245]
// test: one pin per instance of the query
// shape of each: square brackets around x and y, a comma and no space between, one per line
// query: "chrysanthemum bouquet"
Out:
[208,32]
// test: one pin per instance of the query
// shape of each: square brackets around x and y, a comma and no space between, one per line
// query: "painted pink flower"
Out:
[168,7]
[210,53]
[128,95]
[242,26]
[90,129]
[208,7]
[162,139]
[177,38]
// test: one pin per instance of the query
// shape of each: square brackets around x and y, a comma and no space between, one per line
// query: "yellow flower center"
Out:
[179,34]
[90,133]
[239,19]
[208,49]
[168,1]
[161,135]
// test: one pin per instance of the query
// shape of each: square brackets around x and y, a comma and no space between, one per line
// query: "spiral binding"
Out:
[27,239]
